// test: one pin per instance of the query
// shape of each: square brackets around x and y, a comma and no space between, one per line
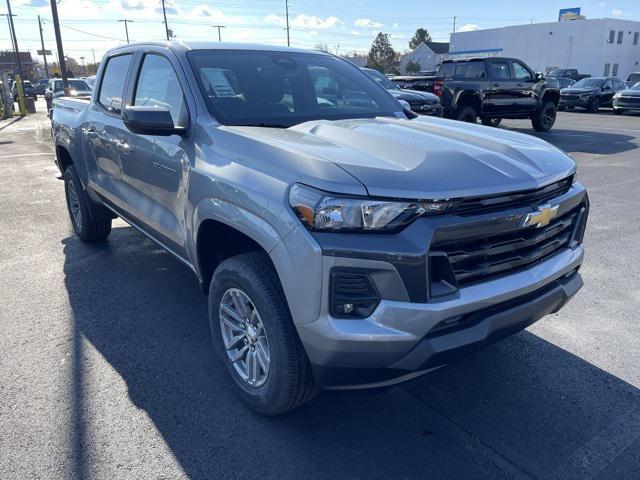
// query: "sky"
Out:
[91,27]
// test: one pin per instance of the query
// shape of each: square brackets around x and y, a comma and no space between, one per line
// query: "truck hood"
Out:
[424,158]
[579,91]
[413,95]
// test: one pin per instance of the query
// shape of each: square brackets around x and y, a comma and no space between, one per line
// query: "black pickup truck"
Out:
[496,88]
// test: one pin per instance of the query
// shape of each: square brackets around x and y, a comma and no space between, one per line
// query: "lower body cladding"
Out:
[406,317]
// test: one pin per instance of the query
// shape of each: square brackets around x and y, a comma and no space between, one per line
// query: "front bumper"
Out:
[411,332]
[623,104]
[581,102]
[433,109]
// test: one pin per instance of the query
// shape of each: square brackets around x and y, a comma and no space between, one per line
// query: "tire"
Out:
[618,111]
[491,122]
[561,109]
[467,114]
[287,382]
[544,118]
[90,221]
[594,105]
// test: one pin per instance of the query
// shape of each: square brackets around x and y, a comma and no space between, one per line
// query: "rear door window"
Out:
[470,71]
[113,81]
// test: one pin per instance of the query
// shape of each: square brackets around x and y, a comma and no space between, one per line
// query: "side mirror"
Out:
[146,120]
[606,88]
[539,76]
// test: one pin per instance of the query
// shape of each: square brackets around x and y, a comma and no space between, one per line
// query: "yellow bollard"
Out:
[20,91]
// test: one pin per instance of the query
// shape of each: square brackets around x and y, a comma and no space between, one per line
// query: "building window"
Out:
[612,36]
[615,70]
[635,38]
[620,34]
[607,66]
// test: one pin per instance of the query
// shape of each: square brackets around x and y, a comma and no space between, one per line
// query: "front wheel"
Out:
[90,221]
[544,118]
[594,105]
[467,114]
[255,338]
[491,122]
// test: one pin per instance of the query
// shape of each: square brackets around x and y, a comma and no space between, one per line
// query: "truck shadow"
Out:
[522,402]
[574,141]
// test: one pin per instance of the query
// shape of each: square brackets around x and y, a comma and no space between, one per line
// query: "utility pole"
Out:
[286,8]
[61,62]
[93,52]
[166,25]
[13,45]
[126,29]
[219,27]
[454,24]
[44,52]
[15,39]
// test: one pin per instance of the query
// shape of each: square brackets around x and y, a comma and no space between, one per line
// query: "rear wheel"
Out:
[544,118]
[594,105]
[467,114]
[491,122]
[90,221]
[255,338]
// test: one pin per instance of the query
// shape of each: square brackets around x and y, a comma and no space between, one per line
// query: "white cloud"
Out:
[355,32]
[367,23]
[304,21]
[216,16]
[469,27]
[395,25]
[616,12]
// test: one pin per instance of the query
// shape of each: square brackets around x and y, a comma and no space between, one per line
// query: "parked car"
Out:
[420,83]
[496,88]
[55,89]
[423,103]
[564,82]
[27,88]
[90,80]
[632,79]
[571,73]
[320,231]
[41,86]
[627,100]
[590,93]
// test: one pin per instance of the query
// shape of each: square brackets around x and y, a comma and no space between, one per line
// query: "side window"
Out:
[158,86]
[112,85]
[607,85]
[520,72]
[500,70]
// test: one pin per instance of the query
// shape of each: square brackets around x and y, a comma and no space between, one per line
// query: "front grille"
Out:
[629,99]
[517,199]
[479,259]
[570,98]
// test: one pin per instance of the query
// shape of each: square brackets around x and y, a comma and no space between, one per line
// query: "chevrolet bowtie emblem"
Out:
[541,217]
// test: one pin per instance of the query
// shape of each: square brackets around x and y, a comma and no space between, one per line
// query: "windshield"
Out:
[589,83]
[381,79]
[635,87]
[282,89]
[633,78]
[80,85]
[556,73]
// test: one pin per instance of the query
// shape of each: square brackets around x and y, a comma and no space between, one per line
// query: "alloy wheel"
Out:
[74,204]
[244,337]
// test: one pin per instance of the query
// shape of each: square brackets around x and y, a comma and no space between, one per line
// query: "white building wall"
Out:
[581,44]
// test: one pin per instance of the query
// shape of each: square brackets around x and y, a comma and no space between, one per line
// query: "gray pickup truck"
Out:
[342,242]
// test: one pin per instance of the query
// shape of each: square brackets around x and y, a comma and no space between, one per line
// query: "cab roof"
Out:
[185,46]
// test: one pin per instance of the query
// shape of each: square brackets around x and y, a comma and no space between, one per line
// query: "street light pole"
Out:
[219,27]
[15,40]
[126,29]
[166,25]
[44,52]
[84,70]
[61,62]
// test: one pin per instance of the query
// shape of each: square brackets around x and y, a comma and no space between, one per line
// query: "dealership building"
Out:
[599,47]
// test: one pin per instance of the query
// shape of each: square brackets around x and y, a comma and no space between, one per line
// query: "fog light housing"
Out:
[352,294]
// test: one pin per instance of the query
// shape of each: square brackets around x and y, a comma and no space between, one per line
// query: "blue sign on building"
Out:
[568,13]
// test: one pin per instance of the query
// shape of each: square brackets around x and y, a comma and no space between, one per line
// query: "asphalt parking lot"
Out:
[107,370]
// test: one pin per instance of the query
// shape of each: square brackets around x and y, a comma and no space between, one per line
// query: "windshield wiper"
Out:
[263,124]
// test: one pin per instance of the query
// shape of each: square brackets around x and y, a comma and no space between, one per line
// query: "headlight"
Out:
[322,211]
[617,95]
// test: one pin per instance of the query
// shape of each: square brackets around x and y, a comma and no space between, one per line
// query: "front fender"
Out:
[296,256]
